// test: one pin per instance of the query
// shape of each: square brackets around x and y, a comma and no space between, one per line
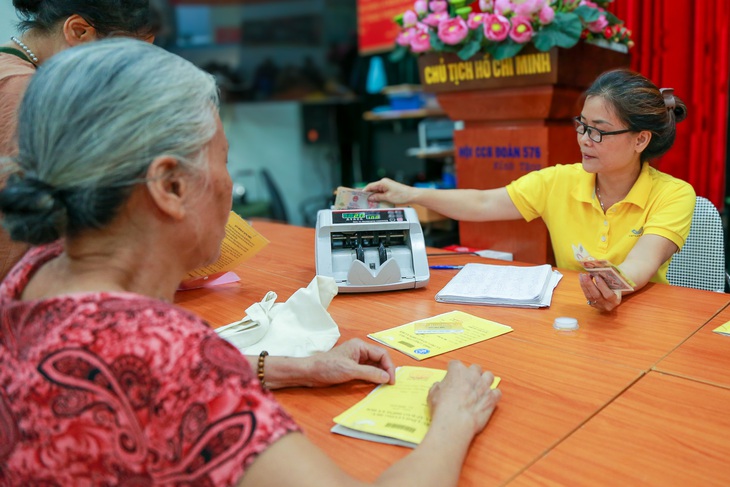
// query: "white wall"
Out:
[8,19]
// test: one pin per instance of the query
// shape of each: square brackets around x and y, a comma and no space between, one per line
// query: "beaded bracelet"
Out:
[260,370]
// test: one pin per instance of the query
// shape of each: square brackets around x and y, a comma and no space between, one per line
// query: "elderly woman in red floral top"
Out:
[122,157]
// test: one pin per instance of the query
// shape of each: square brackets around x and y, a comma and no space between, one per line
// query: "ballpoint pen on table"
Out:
[446,267]
[443,254]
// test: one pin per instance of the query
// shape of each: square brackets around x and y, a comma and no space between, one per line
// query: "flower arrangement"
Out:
[503,27]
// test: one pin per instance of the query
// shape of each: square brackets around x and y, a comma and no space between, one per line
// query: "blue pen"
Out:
[446,267]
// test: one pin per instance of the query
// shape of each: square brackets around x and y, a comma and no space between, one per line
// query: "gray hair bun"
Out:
[34,211]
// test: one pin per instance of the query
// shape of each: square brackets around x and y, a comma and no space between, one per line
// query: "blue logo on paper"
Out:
[421,351]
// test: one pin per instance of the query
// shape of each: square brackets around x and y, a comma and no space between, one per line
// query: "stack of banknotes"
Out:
[611,274]
[356,199]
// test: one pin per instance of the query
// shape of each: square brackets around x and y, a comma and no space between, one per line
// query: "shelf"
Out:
[431,152]
[402,114]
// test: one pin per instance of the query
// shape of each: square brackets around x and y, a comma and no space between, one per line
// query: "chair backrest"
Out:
[701,262]
[278,209]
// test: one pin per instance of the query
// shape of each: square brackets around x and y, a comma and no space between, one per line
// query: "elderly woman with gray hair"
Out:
[104,382]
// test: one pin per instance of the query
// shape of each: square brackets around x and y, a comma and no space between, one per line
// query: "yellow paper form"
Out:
[421,346]
[394,412]
[240,244]
[723,329]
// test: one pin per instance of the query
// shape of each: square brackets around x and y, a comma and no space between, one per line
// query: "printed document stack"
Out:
[502,285]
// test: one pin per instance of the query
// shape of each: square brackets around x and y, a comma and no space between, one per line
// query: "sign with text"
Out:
[525,158]
[447,72]
[376,29]
[575,67]
[504,154]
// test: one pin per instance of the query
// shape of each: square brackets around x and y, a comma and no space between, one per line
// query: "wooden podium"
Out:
[517,118]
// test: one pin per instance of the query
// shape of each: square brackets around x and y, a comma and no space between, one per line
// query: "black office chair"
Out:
[277,208]
[310,206]
[271,206]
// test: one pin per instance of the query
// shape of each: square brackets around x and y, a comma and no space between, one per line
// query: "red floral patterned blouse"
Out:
[122,389]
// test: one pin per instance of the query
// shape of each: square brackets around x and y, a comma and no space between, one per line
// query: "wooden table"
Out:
[643,330]
[555,384]
[663,431]
[704,357]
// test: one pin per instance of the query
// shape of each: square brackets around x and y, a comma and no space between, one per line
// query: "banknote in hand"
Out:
[355,199]
[611,274]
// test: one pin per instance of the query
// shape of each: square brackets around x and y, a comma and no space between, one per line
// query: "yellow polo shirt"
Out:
[564,196]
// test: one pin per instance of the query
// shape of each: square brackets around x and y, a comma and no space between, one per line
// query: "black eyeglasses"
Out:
[596,135]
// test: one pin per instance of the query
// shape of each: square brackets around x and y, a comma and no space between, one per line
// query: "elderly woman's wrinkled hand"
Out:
[466,391]
[352,360]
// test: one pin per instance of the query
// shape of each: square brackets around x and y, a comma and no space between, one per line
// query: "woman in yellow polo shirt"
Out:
[613,202]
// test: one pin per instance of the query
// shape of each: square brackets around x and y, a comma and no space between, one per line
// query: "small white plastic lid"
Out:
[565,324]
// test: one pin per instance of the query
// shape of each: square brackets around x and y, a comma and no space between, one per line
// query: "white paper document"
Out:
[502,285]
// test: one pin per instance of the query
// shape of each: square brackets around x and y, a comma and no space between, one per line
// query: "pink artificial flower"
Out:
[547,14]
[503,7]
[405,36]
[588,3]
[421,7]
[409,18]
[438,6]
[435,19]
[476,19]
[496,27]
[597,26]
[521,31]
[526,8]
[486,5]
[421,41]
[453,31]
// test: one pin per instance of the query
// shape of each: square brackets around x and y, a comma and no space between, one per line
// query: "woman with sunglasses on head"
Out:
[613,202]
[46,28]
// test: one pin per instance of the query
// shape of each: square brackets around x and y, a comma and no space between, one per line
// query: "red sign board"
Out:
[376,29]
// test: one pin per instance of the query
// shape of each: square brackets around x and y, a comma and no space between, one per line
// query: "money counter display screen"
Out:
[368,216]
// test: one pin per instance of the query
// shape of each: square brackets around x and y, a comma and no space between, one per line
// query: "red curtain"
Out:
[685,45]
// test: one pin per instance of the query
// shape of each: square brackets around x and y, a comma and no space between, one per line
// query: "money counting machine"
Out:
[371,250]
